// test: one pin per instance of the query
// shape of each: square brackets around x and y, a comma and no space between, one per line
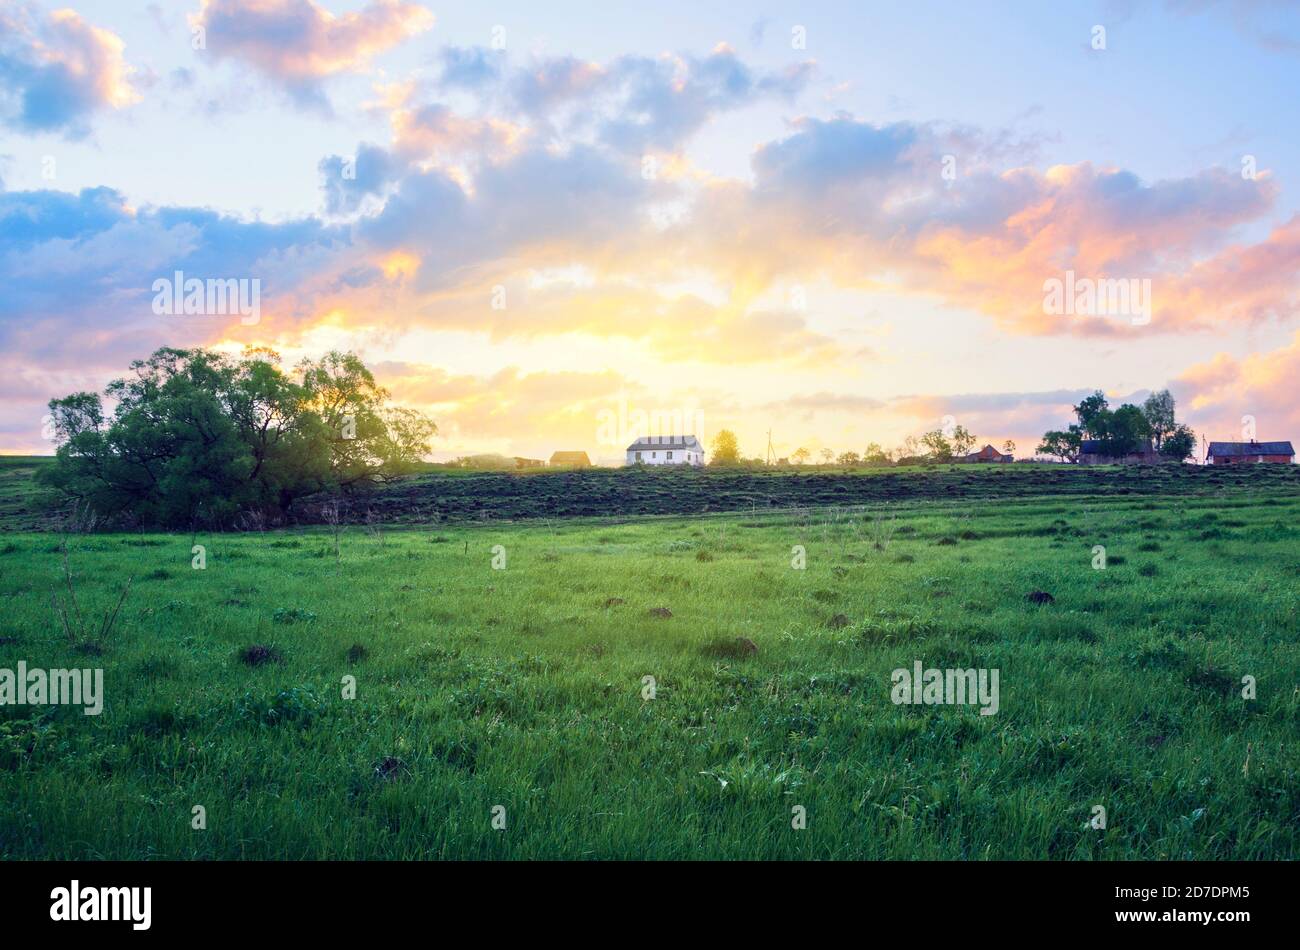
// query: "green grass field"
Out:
[523,687]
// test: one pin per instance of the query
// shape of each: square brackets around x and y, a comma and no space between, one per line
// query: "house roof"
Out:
[1225,449]
[646,443]
[568,458]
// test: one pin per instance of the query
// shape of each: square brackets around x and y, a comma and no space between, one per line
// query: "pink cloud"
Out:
[299,43]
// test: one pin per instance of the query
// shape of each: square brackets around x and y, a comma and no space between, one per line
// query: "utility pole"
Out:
[771,456]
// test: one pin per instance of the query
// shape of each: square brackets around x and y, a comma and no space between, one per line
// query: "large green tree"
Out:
[198,437]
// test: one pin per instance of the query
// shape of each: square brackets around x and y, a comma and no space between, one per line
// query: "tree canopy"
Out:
[198,437]
[1128,430]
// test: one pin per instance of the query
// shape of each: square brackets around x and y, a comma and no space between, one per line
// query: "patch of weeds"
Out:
[292,615]
[1162,654]
[1212,678]
[356,653]
[390,768]
[297,704]
[158,720]
[257,655]
[731,648]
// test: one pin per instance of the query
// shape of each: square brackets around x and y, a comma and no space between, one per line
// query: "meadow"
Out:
[522,684]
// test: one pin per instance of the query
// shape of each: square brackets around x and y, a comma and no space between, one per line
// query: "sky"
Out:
[560,226]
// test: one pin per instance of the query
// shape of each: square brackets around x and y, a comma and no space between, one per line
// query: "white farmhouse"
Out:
[666,450]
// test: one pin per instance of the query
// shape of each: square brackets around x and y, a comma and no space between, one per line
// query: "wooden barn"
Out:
[989,454]
[1092,452]
[1245,453]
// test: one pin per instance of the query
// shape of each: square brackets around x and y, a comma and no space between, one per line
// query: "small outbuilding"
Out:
[1093,452]
[1243,453]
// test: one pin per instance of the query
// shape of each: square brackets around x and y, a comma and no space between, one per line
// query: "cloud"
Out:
[57,70]
[347,183]
[1216,394]
[867,205]
[471,67]
[629,103]
[299,44]
[79,269]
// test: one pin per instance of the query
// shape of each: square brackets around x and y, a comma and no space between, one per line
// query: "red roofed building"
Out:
[989,454]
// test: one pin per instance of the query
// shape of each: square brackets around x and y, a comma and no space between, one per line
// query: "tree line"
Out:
[1126,431]
[938,445]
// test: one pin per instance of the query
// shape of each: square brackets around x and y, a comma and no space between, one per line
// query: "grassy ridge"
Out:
[456,496]
[522,687]
[668,491]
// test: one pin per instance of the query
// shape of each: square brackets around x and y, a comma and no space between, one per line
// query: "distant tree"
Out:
[1120,432]
[1159,413]
[1179,444]
[849,458]
[1008,447]
[962,441]
[827,455]
[1124,431]
[725,449]
[800,455]
[1062,444]
[1090,412]
[875,455]
[939,449]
